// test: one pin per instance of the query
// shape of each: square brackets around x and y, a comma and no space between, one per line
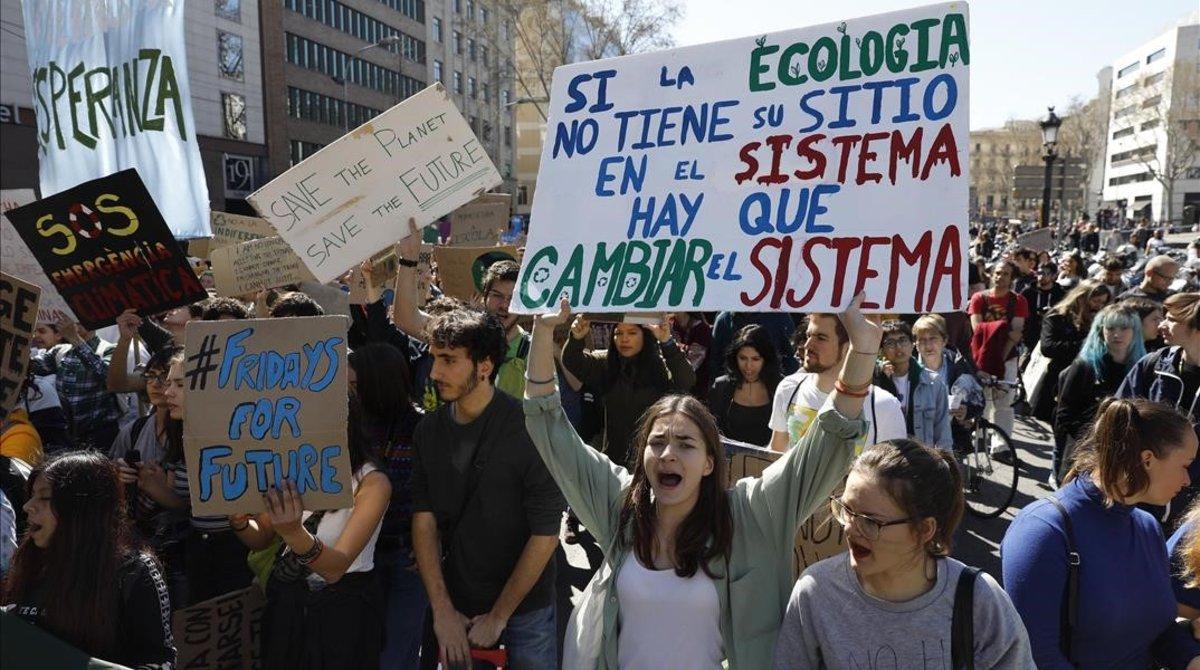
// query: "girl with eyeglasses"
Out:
[891,598]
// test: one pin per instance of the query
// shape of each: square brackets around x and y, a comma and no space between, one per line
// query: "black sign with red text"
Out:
[106,248]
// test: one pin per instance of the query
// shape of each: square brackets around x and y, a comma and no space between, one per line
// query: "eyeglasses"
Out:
[869,527]
[897,342]
[156,377]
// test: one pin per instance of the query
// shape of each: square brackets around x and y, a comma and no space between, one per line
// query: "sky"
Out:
[1025,54]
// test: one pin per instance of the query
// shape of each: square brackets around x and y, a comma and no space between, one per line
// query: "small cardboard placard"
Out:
[461,269]
[417,160]
[266,400]
[18,261]
[819,536]
[228,230]
[256,265]
[106,248]
[479,222]
[18,318]
[221,633]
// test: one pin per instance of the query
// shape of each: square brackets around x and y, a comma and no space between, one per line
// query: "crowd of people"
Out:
[479,441]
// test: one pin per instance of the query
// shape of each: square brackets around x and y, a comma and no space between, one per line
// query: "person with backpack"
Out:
[998,321]
[1087,570]
[897,591]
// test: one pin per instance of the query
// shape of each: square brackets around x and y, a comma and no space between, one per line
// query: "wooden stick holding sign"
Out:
[266,400]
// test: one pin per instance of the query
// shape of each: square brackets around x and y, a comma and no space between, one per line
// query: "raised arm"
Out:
[683,377]
[591,369]
[407,308]
[119,381]
[591,483]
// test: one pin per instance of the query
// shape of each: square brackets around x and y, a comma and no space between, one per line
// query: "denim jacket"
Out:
[927,407]
[753,585]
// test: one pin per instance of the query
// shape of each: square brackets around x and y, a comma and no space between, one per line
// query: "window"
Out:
[508,136]
[1124,132]
[1133,154]
[233,115]
[458,43]
[483,14]
[1151,101]
[1153,79]
[472,87]
[353,22]
[522,195]
[1152,123]
[229,56]
[1122,92]
[339,65]
[1128,69]
[311,106]
[505,97]
[437,29]
[484,91]
[1124,111]
[1157,55]
[505,29]
[471,48]
[437,70]
[483,53]
[299,150]
[230,10]
[457,81]
[471,9]
[1130,179]
[458,6]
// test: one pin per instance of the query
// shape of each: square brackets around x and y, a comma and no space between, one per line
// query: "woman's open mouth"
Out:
[858,551]
[669,480]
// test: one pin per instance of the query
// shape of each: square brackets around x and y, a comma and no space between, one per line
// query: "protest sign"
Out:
[111,92]
[332,299]
[256,265]
[461,269]
[18,318]
[417,160]
[224,632]
[1041,239]
[266,401]
[819,537]
[228,230]
[786,171]
[104,245]
[478,223]
[17,260]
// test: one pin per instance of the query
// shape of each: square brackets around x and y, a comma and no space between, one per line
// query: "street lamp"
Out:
[1050,127]
[344,80]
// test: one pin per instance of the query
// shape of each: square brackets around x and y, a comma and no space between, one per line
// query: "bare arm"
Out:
[406,311]
[779,441]
[859,367]
[1015,330]
[118,380]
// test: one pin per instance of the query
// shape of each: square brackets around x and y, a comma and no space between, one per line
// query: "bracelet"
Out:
[237,529]
[405,263]
[845,390]
[865,353]
[538,381]
[313,552]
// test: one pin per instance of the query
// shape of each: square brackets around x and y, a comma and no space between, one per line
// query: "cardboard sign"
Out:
[256,265]
[17,260]
[479,222]
[331,298]
[228,230]
[105,247]
[1041,239]
[266,400]
[224,632]
[819,536]
[786,171]
[354,197]
[461,269]
[18,318]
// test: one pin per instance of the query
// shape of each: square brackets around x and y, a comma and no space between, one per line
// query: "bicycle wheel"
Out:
[989,482]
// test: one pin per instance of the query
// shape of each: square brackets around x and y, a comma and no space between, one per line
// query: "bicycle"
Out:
[989,479]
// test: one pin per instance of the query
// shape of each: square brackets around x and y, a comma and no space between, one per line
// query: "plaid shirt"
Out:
[82,383]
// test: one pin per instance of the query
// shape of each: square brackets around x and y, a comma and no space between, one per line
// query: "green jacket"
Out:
[754,584]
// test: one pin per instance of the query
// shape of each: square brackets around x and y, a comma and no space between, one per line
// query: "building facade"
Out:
[995,154]
[226,77]
[1152,166]
[470,50]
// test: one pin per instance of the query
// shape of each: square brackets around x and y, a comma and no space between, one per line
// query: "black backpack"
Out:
[962,622]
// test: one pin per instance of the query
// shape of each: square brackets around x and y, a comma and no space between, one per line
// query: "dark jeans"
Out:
[531,639]
[406,602]
[215,564]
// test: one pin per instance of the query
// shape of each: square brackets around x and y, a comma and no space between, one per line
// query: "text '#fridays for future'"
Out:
[811,165]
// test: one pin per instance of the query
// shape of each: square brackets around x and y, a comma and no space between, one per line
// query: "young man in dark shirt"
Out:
[1040,297]
[486,512]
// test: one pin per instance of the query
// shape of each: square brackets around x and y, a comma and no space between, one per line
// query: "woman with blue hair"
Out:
[1113,344]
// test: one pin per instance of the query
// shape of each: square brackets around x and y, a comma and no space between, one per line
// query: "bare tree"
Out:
[549,33]
[1164,113]
[1084,135]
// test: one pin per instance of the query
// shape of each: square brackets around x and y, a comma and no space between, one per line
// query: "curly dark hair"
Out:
[473,329]
[757,338]
[500,271]
[295,304]
[212,309]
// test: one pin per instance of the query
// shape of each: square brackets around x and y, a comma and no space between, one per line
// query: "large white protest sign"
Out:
[110,89]
[17,260]
[786,171]
[351,199]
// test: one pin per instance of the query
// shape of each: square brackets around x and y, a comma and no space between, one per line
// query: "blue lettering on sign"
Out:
[265,417]
[227,478]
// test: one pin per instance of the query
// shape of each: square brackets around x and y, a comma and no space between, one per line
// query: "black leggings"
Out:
[338,626]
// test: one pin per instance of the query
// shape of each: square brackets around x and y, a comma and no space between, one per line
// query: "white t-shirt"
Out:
[901,383]
[797,400]
[334,522]
[667,621]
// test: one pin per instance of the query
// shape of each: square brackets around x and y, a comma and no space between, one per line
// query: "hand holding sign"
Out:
[285,509]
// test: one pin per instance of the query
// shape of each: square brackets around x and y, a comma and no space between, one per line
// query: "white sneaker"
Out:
[1052,480]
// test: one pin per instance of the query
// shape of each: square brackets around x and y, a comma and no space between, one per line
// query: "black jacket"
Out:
[1033,323]
[1080,394]
[1060,342]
